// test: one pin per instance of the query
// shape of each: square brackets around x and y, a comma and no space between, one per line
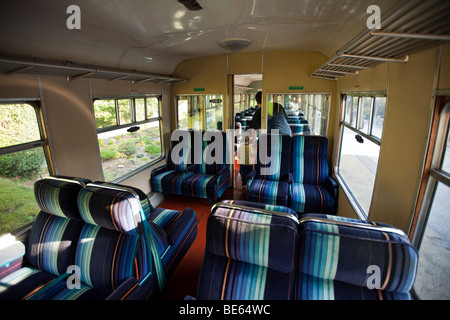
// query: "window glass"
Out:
[152,107]
[125,111]
[358,165]
[140,109]
[364,117]
[432,272]
[313,107]
[359,148]
[378,116]
[105,113]
[125,149]
[21,166]
[199,112]
[433,234]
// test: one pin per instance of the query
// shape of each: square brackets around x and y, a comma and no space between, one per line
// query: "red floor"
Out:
[184,280]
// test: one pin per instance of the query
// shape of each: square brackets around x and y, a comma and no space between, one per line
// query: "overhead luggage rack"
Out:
[414,26]
[73,71]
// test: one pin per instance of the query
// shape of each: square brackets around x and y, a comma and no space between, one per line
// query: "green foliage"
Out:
[107,154]
[26,164]
[153,149]
[128,147]
[17,205]
[105,113]
[18,124]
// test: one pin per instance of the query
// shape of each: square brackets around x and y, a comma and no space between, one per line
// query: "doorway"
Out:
[245,87]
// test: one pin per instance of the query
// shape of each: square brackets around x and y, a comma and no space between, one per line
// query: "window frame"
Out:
[133,123]
[354,128]
[433,175]
[43,142]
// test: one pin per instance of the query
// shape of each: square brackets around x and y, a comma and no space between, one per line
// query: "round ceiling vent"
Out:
[235,44]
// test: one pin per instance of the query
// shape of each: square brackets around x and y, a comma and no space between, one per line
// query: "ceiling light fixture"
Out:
[235,44]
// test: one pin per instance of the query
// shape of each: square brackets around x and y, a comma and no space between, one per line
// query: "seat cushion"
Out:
[313,288]
[310,198]
[201,185]
[23,283]
[170,181]
[269,192]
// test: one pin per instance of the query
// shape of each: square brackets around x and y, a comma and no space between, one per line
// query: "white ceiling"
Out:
[156,35]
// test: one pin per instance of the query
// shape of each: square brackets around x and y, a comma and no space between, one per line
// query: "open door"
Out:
[243,104]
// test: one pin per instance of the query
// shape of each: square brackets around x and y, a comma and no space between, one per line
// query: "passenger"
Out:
[277,117]
[246,155]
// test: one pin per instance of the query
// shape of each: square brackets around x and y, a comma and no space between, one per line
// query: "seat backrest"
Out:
[273,157]
[359,253]
[250,254]
[52,239]
[309,163]
[212,156]
[180,154]
[116,242]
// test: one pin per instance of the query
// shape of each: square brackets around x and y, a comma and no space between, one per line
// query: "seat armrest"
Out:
[159,170]
[223,170]
[332,186]
[191,168]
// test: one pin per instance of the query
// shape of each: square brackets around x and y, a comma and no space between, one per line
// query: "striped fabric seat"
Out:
[181,231]
[169,178]
[117,243]
[343,258]
[249,255]
[50,247]
[212,176]
[312,189]
[270,181]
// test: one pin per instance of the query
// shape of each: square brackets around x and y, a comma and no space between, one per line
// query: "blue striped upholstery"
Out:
[334,259]
[212,177]
[169,178]
[248,256]
[112,245]
[51,243]
[58,195]
[270,192]
[270,183]
[181,231]
[310,191]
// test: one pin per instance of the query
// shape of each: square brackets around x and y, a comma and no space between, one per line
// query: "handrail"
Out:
[254,210]
[354,224]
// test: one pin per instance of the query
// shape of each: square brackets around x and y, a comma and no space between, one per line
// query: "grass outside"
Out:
[17,205]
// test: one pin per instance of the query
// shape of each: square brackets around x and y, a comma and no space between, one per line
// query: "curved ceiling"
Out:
[156,35]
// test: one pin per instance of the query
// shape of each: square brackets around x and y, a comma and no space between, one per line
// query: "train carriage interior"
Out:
[238,150]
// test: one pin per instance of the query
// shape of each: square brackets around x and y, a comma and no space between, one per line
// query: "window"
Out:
[361,131]
[432,235]
[129,134]
[314,108]
[23,160]
[200,112]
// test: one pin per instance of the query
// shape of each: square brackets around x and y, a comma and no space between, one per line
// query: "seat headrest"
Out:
[249,235]
[58,195]
[351,250]
[114,207]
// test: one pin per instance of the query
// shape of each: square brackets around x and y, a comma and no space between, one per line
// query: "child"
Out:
[246,155]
